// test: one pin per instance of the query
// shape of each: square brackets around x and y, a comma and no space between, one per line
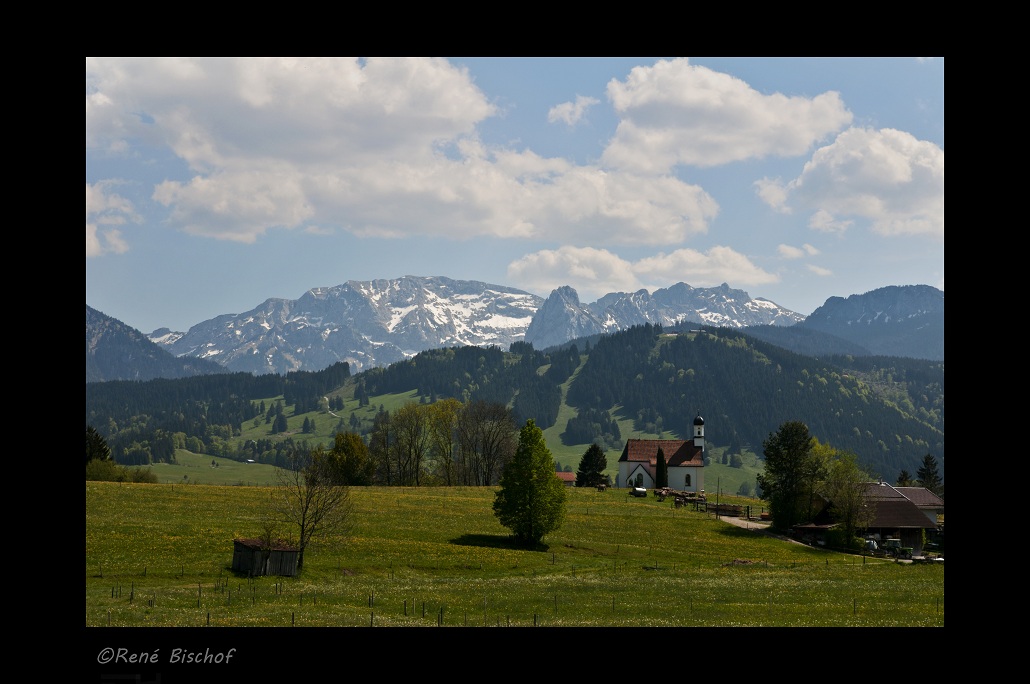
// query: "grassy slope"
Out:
[160,555]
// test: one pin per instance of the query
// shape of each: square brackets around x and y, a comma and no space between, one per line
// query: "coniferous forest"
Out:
[889,411]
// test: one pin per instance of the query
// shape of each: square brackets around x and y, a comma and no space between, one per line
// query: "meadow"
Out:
[159,555]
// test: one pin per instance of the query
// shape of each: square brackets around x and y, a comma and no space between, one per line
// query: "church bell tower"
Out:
[699,431]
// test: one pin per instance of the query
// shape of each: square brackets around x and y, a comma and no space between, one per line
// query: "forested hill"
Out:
[889,411]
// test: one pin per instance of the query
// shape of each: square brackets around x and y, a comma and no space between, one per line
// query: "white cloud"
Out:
[383,147]
[825,222]
[718,265]
[791,252]
[571,112]
[591,272]
[819,270]
[105,208]
[886,176]
[596,272]
[676,113]
[774,193]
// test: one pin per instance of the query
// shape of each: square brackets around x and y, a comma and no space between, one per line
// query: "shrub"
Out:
[104,471]
[109,471]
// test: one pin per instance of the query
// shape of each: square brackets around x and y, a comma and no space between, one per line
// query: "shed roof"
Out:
[566,477]
[258,544]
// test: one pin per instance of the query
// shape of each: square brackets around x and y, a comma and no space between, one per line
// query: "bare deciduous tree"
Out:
[307,497]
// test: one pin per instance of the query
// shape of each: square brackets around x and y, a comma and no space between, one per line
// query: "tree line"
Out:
[891,411]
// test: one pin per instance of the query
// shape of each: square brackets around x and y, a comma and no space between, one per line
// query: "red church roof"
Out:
[677,452]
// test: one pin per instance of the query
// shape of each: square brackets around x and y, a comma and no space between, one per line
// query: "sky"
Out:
[214,184]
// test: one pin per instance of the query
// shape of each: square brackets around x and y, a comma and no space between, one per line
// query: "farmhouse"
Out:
[685,460]
[256,557]
[569,479]
[905,513]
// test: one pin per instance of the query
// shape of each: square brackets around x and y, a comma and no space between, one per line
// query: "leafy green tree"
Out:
[928,475]
[790,474]
[349,461]
[843,486]
[591,467]
[96,446]
[531,499]
[661,470]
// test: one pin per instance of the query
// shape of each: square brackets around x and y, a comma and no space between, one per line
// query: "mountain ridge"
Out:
[376,323]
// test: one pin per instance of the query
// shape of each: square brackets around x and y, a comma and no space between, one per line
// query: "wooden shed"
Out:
[256,557]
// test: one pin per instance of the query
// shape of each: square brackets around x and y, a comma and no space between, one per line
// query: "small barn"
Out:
[256,557]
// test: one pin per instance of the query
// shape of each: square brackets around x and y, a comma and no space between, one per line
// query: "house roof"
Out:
[922,497]
[893,507]
[566,477]
[678,452]
[891,513]
[881,491]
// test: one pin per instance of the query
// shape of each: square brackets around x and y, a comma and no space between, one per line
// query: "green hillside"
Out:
[640,383]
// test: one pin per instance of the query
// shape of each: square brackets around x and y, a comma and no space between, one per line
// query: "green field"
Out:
[160,556]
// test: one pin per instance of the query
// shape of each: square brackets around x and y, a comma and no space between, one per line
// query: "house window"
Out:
[686,480]
[640,479]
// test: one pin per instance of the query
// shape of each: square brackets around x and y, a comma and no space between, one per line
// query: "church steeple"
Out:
[699,431]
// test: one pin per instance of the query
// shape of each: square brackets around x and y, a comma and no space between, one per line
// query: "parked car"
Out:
[638,491]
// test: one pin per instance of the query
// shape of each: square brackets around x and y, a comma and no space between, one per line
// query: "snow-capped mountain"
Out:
[563,318]
[378,322]
[364,323]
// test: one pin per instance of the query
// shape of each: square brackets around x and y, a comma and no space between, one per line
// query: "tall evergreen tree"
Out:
[591,467]
[661,470]
[96,446]
[790,474]
[928,475]
[531,498]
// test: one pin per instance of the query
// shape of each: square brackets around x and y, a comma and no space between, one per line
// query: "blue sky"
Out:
[213,184]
